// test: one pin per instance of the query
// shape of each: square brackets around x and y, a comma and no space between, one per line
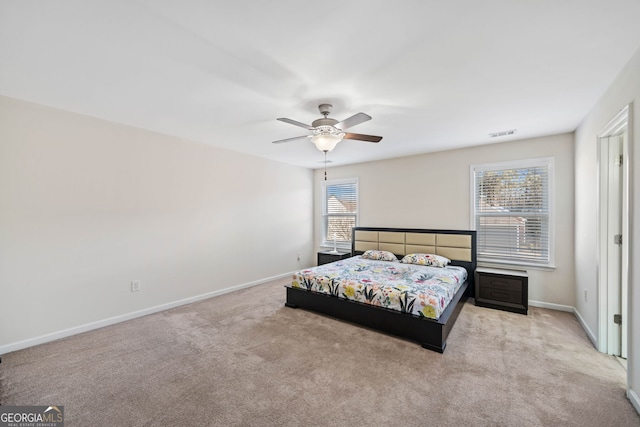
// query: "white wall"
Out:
[433,191]
[623,91]
[87,206]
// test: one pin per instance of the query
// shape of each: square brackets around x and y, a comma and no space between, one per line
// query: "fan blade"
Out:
[280,141]
[293,122]
[356,119]
[361,137]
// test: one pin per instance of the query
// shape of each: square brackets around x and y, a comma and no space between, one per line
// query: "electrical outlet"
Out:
[585,295]
[135,285]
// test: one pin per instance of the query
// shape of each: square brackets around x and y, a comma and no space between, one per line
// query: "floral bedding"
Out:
[416,289]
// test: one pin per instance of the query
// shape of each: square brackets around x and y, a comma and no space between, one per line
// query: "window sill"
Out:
[338,247]
[515,266]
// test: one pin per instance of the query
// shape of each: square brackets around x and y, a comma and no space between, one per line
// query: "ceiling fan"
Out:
[327,132]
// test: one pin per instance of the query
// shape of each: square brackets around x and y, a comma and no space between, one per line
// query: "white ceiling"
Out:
[433,74]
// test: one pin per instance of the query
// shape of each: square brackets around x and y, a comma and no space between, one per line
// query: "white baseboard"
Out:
[8,348]
[568,309]
[635,401]
[586,328]
[551,306]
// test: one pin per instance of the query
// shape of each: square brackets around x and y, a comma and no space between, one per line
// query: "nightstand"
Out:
[502,289]
[326,257]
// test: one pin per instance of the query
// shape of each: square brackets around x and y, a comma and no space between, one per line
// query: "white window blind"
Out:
[512,212]
[340,212]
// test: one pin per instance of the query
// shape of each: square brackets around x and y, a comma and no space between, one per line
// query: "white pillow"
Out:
[426,259]
[379,255]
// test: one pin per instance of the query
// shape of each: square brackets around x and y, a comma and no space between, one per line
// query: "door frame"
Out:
[617,126]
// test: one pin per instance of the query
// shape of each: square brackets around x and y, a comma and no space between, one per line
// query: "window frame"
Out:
[549,164]
[325,216]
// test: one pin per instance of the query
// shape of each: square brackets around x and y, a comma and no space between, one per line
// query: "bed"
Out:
[347,289]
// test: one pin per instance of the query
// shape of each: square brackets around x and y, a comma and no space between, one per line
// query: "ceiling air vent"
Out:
[502,133]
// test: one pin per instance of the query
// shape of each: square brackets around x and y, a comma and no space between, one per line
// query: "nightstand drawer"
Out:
[502,283]
[500,294]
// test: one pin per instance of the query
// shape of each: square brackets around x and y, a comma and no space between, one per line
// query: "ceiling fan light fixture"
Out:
[327,132]
[326,141]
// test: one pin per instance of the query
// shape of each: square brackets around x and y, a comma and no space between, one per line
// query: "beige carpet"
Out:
[244,359]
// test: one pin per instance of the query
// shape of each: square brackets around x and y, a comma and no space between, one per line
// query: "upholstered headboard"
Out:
[457,245]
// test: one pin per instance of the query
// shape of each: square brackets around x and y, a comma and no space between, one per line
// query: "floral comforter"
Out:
[416,289]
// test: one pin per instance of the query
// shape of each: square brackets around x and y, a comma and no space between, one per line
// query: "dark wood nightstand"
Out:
[326,257]
[502,289]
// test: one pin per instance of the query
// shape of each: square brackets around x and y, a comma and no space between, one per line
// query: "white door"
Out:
[624,282]
[614,245]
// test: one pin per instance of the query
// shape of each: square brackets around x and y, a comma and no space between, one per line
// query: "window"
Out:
[512,212]
[340,211]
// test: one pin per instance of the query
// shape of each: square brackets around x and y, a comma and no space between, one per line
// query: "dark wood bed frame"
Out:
[431,334]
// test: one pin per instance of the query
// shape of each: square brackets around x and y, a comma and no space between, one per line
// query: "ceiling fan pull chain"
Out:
[325,165]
